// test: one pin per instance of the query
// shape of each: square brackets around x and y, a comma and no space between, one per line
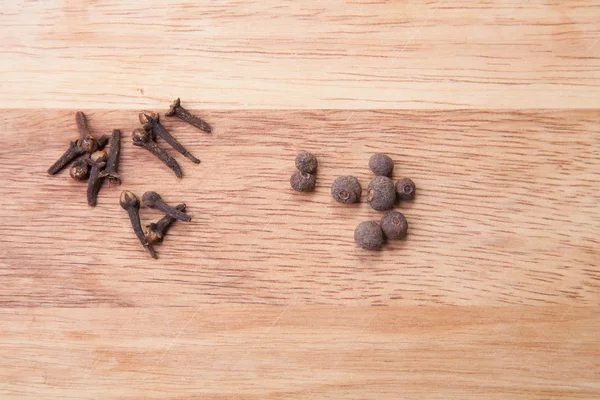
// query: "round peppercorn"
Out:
[394,225]
[302,182]
[346,190]
[368,235]
[381,164]
[306,162]
[405,189]
[381,193]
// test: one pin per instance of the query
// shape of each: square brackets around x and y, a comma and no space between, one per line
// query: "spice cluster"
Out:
[382,195]
[97,165]
[89,161]
[154,232]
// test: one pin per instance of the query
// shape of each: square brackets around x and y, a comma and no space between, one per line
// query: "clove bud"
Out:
[151,121]
[130,203]
[156,231]
[153,200]
[142,138]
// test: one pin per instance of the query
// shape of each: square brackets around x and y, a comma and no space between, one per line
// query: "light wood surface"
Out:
[492,109]
[301,54]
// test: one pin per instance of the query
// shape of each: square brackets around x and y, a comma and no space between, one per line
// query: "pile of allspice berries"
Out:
[382,195]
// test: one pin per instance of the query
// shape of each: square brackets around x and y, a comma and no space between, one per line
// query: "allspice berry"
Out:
[368,235]
[394,225]
[302,182]
[346,190]
[381,193]
[405,189]
[381,164]
[306,162]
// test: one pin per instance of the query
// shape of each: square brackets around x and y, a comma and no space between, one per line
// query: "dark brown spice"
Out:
[80,170]
[85,144]
[87,141]
[175,110]
[394,225]
[405,189]
[102,141]
[112,163]
[381,164]
[306,162]
[99,156]
[82,125]
[368,235]
[346,190]
[381,193]
[156,231]
[97,162]
[302,182]
[151,121]
[131,204]
[72,153]
[142,138]
[153,200]
[88,145]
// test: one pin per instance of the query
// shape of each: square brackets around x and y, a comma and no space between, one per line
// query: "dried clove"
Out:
[175,110]
[99,156]
[85,144]
[131,204]
[80,170]
[97,162]
[87,141]
[102,141]
[142,138]
[82,125]
[151,121]
[156,231]
[112,163]
[72,153]
[153,200]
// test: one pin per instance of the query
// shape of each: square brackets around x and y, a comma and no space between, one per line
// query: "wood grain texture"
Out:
[506,212]
[301,352]
[491,107]
[301,54]
[263,295]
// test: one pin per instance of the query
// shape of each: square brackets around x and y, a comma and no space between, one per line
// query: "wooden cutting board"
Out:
[492,108]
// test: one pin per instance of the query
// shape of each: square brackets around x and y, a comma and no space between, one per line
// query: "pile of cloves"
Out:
[97,165]
[152,128]
[90,162]
[154,232]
